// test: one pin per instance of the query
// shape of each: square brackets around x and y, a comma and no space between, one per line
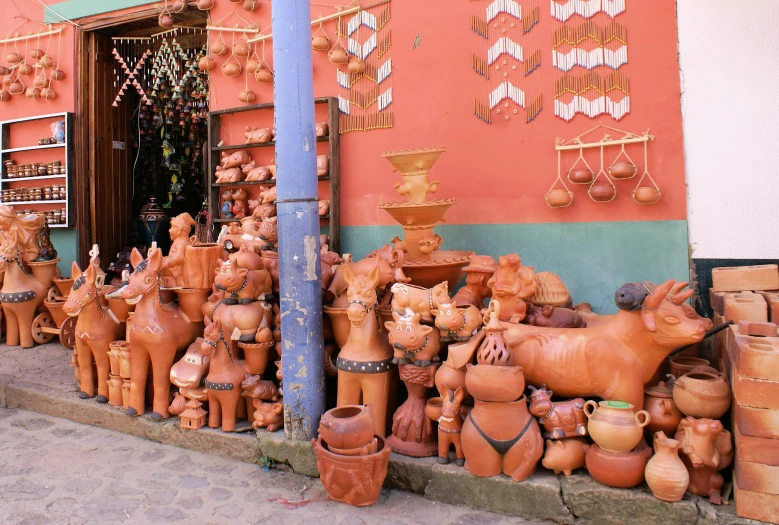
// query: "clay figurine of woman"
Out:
[173,264]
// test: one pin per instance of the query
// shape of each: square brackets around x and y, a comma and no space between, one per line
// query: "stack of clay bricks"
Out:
[749,297]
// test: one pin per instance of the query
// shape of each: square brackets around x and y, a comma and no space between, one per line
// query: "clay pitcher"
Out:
[124,360]
[664,414]
[614,425]
[665,473]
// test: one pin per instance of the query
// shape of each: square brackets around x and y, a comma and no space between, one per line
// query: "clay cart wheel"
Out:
[40,322]
[68,332]
[53,294]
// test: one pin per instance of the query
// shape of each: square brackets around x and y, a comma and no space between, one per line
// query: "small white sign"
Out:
[118,145]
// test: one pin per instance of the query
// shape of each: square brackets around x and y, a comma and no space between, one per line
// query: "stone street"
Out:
[56,471]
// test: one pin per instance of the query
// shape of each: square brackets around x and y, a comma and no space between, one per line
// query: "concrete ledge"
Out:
[297,454]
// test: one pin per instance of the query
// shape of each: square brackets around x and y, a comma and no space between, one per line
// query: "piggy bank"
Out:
[565,455]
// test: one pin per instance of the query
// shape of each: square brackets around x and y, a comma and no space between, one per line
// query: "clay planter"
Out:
[433,408]
[320,43]
[55,309]
[665,473]
[340,324]
[355,480]
[618,469]
[614,426]
[646,195]
[702,394]
[581,176]
[44,271]
[682,364]
[190,301]
[120,308]
[622,170]
[348,426]
[602,192]
[256,356]
[664,414]
[498,384]
[559,198]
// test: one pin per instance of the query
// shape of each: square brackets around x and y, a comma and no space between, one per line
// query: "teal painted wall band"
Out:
[593,259]
[73,9]
[65,241]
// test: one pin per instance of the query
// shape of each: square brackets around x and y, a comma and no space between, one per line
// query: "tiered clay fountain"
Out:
[424,264]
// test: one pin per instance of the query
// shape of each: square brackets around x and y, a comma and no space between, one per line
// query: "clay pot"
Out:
[580,176]
[264,75]
[498,384]
[63,285]
[252,65]
[602,191]
[356,65]
[348,426]
[370,448]
[219,48]
[231,69]
[7,81]
[433,408]
[340,473]
[16,88]
[57,74]
[241,50]
[178,6]
[559,198]
[13,58]
[339,323]
[664,414]
[55,309]
[622,170]
[681,365]
[205,5]
[32,93]
[702,394]
[256,356]
[3,70]
[165,20]
[44,271]
[124,360]
[190,301]
[46,61]
[48,94]
[113,356]
[115,391]
[320,43]
[614,426]
[665,473]
[618,469]
[246,95]
[646,195]
[37,53]
[25,69]
[338,55]
[250,5]
[206,64]
[41,81]
[5,96]
[120,308]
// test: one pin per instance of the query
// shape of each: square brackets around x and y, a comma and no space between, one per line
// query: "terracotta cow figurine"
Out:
[412,342]
[241,285]
[457,323]
[560,420]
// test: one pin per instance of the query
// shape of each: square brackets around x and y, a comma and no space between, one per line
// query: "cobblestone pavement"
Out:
[56,471]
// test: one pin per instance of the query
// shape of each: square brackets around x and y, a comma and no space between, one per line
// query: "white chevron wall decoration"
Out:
[501,46]
[510,7]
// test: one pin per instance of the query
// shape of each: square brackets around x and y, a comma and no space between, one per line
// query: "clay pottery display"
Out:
[618,469]
[338,54]
[665,473]
[348,426]
[115,391]
[614,425]
[165,20]
[190,301]
[231,69]
[622,170]
[206,63]
[702,394]
[663,412]
[356,65]
[57,74]
[499,384]
[264,75]
[580,176]
[250,5]
[559,198]
[219,48]
[355,480]
[241,49]
[320,43]
[602,191]
[646,195]
[681,365]
[433,408]
[256,356]
[205,5]
[16,88]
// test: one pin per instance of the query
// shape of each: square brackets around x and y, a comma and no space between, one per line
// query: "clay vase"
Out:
[115,391]
[614,426]
[622,170]
[618,469]
[241,50]
[681,365]
[580,176]
[355,480]
[702,394]
[348,426]
[663,412]
[559,198]
[602,191]
[665,473]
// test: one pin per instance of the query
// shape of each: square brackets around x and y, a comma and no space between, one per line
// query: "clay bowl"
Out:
[622,170]
[348,426]
[413,161]
[190,301]
[339,321]
[559,198]
[446,265]
[498,384]
[681,365]
[63,285]
[55,309]
[433,408]
[602,192]
[702,394]
[580,176]
[618,469]
[646,195]
[427,213]
[256,356]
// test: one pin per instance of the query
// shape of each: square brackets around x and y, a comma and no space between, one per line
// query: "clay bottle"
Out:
[665,473]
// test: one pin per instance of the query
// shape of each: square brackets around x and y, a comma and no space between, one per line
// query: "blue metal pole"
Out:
[297,208]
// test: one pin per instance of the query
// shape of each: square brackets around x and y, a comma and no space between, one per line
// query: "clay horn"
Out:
[679,298]
[678,287]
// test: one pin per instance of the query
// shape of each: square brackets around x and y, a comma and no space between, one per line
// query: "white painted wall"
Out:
[729,58]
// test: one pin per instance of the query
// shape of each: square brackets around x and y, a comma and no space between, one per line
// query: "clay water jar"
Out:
[368,471]
[231,69]
[664,414]
[702,393]
[602,191]
[256,356]
[580,176]
[115,391]
[622,170]
[190,301]
[497,384]
[348,426]
[618,469]
[559,198]
[338,55]
[646,195]
[681,365]
[264,75]
[614,425]
[665,473]
[320,43]
[339,323]
[113,356]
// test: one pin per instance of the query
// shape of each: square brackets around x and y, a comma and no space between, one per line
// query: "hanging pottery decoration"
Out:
[219,47]
[131,76]
[246,95]
[41,81]
[47,62]
[25,69]
[263,73]
[646,194]
[338,54]
[622,170]
[250,5]
[57,74]
[319,41]
[581,174]
[33,93]
[165,20]
[205,5]
[7,81]
[241,49]
[178,6]
[356,65]
[231,69]
[13,58]
[602,189]
[252,64]
[5,96]
[17,87]
[37,53]
[559,197]
[3,71]
[48,94]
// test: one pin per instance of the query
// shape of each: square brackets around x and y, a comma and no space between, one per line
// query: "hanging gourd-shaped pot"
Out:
[57,74]
[178,6]
[231,69]
[250,5]
[25,69]
[264,75]
[165,20]
[252,65]
[37,53]
[206,63]
[559,198]
[16,88]
[48,94]
[41,81]
[219,48]
[5,96]
[47,62]
[13,58]
[580,175]
[246,95]
[241,50]
[623,169]
[33,93]
[338,54]
[3,71]
[356,65]
[602,191]
[646,195]
[7,81]
[320,42]
[205,5]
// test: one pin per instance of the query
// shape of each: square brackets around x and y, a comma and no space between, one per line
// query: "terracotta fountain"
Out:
[425,264]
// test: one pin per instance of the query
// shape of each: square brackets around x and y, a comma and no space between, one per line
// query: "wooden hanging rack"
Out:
[31,36]
[250,28]
[628,138]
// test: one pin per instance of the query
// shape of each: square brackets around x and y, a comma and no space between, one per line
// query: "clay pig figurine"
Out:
[322,165]
[257,135]
[270,415]
[553,317]
[457,323]
[511,284]
[239,203]
[255,387]
[560,420]
[418,299]
[412,342]
[322,129]
[255,173]
[235,160]
[565,455]
[228,175]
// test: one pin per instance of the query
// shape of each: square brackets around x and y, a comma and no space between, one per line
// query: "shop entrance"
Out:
[146,116]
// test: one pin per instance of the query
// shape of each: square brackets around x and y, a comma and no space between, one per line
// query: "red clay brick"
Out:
[746,307]
[755,449]
[757,477]
[758,357]
[756,505]
[757,422]
[717,300]
[758,329]
[772,298]
[739,278]
[756,393]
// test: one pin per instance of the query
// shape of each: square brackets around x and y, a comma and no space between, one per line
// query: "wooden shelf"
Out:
[37,177]
[32,148]
[259,145]
[321,218]
[19,203]
[270,182]
[59,226]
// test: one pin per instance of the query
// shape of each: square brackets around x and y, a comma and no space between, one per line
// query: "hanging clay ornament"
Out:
[41,81]
[16,88]
[338,54]
[7,81]
[3,70]
[264,75]
[5,96]
[559,198]
[356,65]
[13,58]
[25,69]
[37,53]
[252,65]
[320,42]
[219,48]
[33,93]
[246,95]
[250,5]
[178,6]
[48,94]
[231,69]
[624,169]
[47,62]
[646,195]
[165,20]
[57,74]
[205,5]
[205,63]
[602,192]
[241,50]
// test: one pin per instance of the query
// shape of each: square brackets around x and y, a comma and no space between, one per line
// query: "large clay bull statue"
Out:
[612,360]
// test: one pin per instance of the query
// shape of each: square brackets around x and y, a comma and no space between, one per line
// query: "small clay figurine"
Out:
[553,317]
[226,175]
[268,194]
[260,210]
[256,388]
[413,342]
[561,419]
[418,299]
[450,426]
[322,165]
[239,203]
[226,211]
[477,274]
[257,135]
[511,284]
[565,455]
[457,324]
[173,265]
[234,160]
[706,448]
[48,252]
[122,262]
[269,232]
[255,173]
[324,207]
[241,284]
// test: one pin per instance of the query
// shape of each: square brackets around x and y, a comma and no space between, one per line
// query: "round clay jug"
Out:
[264,75]
[13,58]
[47,62]
[614,425]
[25,69]
[219,48]
[559,198]
[231,69]
[57,74]
[250,5]
[206,64]
[37,53]
[702,394]
[246,95]
[646,195]
[664,414]
[602,191]
[580,176]
[348,426]
[622,170]
[41,81]
[665,473]
[338,55]
[241,49]
[681,365]
[33,93]
[320,43]
[252,65]
[356,65]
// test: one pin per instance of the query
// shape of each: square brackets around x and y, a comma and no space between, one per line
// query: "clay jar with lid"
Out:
[664,414]
[348,426]
[614,425]
[703,393]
